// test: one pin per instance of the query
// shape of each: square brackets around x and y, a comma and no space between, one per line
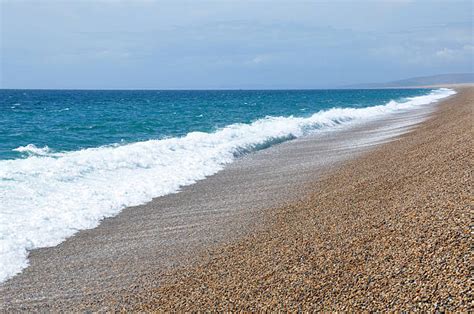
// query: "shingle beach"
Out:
[326,223]
[388,231]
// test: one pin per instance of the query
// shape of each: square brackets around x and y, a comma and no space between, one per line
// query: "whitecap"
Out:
[31,149]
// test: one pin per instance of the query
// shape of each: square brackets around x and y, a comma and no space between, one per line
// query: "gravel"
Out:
[286,228]
[388,231]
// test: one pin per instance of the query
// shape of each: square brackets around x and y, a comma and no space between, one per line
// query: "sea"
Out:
[70,158]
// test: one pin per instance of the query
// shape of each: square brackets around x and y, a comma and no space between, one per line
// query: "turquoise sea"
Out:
[71,120]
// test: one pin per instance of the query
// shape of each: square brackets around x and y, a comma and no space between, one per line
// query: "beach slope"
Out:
[286,228]
[388,231]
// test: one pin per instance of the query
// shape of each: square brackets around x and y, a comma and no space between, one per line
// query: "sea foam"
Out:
[49,196]
[31,149]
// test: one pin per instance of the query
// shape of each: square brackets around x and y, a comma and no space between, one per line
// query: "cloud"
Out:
[446,53]
[204,44]
[259,59]
[449,54]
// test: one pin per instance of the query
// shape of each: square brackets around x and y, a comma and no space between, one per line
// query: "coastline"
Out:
[387,231]
[136,239]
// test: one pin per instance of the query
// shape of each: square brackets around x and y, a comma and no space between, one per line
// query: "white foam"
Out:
[31,149]
[47,197]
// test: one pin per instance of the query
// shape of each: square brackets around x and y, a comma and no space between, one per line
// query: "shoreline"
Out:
[123,248]
[69,191]
[387,231]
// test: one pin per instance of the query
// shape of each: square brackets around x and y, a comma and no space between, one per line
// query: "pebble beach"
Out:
[387,231]
[376,217]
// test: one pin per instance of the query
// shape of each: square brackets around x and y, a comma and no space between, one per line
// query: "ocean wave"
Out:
[48,196]
[31,149]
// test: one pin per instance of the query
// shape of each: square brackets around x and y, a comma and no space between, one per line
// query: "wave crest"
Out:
[31,149]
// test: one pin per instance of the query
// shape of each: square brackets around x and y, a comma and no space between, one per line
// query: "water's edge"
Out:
[85,182]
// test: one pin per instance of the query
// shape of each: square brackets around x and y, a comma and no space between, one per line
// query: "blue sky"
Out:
[230,44]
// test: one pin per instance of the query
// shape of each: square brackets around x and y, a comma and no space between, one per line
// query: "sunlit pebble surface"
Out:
[389,231]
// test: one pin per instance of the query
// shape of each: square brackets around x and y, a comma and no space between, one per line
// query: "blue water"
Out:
[71,120]
[68,159]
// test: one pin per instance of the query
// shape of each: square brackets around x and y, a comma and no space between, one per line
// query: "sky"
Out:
[144,44]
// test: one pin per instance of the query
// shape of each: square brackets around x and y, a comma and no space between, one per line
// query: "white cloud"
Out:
[259,59]
[446,53]
[449,54]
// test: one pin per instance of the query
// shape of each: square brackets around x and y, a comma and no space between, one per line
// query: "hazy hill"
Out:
[453,78]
